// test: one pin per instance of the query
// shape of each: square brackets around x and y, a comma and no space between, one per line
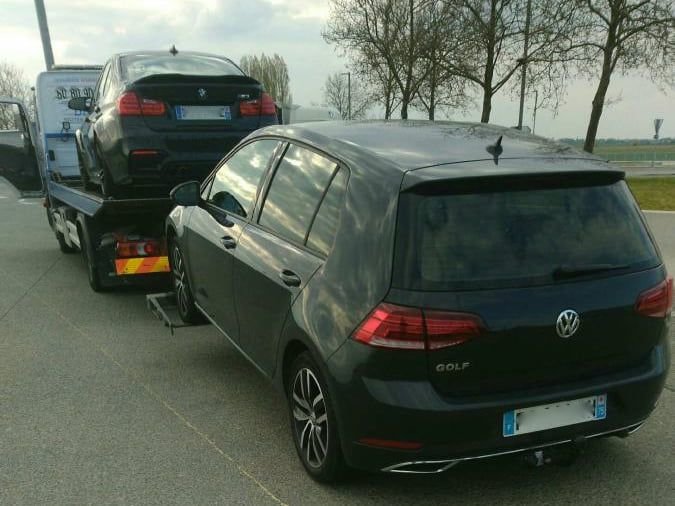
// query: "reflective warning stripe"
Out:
[145,265]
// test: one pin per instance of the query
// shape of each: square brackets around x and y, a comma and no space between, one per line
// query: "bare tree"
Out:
[337,94]
[625,35]
[13,84]
[389,32]
[272,72]
[493,36]
[441,88]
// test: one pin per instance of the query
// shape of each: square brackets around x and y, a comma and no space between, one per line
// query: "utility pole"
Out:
[349,93]
[534,114]
[44,33]
[523,73]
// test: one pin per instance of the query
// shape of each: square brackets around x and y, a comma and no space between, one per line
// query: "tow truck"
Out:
[122,240]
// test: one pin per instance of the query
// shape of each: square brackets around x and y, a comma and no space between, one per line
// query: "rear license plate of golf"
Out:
[552,416]
[203,112]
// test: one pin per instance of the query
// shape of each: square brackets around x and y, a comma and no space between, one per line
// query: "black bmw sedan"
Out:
[428,293]
[160,118]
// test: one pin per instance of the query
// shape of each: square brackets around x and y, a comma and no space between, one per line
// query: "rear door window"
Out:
[488,239]
[299,184]
[235,185]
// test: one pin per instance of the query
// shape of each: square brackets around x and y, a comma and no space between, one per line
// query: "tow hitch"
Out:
[562,455]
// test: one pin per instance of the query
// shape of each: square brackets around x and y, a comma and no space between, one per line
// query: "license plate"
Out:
[203,112]
[551,416]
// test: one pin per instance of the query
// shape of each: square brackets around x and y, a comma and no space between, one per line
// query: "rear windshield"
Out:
[139,66]
[486,239]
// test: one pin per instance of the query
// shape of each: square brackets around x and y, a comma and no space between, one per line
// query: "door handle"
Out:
[228,242]
[289,278]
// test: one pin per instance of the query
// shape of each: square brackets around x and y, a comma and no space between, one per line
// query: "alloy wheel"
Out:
[180,281]
[310,417]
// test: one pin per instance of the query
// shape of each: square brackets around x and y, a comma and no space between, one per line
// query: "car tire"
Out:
[181,286]
[89,256]
[84,174]
[108,187]
[313,421]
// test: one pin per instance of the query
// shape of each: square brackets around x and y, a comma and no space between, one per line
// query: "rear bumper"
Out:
[451,430]
[180,157]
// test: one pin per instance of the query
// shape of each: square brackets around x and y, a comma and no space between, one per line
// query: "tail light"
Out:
[129,104]
[264,106]
[657,301]
[128,249]
[408,328]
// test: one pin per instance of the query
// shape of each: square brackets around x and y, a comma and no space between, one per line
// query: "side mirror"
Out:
[79,104]
[186,194]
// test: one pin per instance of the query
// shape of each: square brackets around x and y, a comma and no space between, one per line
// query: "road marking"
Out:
[658,212]
[26,203]
[136,379]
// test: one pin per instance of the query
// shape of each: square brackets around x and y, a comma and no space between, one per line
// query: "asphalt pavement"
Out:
[99,404]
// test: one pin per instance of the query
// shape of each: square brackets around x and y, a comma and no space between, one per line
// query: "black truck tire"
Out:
[89,255]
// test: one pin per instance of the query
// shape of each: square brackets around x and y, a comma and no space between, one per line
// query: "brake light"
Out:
[129,104]
[388,443]
[264,106]
[127,249]
[657,301]
[408,328]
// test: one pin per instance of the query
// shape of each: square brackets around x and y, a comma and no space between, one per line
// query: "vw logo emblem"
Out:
[568,323]
[202,93]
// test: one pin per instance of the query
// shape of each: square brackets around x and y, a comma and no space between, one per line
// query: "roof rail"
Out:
[76,67]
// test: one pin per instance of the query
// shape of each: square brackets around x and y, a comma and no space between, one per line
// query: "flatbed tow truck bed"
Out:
[122,240]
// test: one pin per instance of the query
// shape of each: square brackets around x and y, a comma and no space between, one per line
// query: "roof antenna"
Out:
[173,50]
[495,150]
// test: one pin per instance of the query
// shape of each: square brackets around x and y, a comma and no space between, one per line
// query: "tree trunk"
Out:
[404,108]
[599,100]
[487,104]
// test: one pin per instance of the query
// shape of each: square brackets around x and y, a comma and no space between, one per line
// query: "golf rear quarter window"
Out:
[487,237]
[297,188]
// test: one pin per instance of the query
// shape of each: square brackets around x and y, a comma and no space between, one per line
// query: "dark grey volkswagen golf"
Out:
[428,293]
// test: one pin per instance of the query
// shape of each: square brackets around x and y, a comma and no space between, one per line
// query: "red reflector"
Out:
[409,328]
[657,301]
[128,104]
[386,443]
[144,152]
[264,106]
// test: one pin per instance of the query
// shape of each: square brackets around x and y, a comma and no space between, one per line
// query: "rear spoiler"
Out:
[511,173]
[183,78]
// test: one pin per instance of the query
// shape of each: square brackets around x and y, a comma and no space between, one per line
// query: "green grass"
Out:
[654,193]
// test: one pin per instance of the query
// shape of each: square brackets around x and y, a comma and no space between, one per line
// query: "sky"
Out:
[89,31]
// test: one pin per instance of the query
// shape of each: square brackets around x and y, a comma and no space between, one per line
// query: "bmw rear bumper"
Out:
[452,430]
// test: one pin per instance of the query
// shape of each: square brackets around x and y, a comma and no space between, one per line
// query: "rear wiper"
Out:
[573,271]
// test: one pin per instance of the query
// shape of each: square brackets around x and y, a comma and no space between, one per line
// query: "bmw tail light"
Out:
[264,106]
[408,328]
[129,104]
[657,301]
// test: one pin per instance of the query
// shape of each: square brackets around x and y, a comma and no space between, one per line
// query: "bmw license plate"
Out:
[203,112]
[557,414]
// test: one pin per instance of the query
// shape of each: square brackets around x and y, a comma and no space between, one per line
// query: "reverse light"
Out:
[129,104]
[409,328]
[657,301]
